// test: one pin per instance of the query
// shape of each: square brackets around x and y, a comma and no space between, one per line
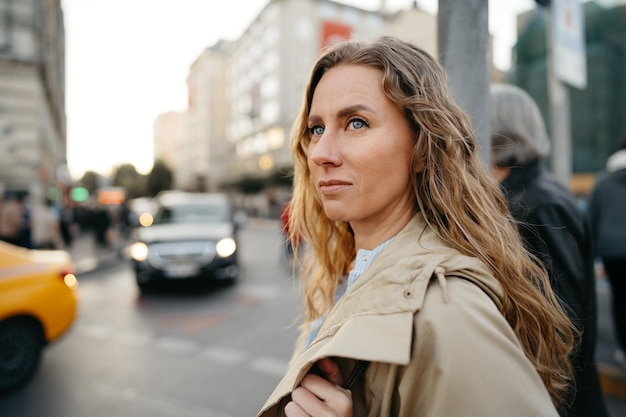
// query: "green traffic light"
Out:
[79,194]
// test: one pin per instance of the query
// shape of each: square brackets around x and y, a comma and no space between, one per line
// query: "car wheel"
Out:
[21,342]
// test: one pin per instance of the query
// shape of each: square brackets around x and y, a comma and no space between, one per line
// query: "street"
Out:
[215,352]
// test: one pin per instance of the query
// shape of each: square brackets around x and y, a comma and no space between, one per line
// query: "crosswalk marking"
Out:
[261,291]
[222,355]
[268,365]
[175,344]
[135,339]
[158,403]
[96,331]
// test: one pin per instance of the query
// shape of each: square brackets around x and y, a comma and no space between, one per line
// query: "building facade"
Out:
[169,130]
[32,96]
[201,158]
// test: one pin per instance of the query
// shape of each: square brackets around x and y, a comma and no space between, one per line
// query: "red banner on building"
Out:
[333,32]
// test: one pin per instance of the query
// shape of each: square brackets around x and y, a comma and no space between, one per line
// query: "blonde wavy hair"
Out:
[453,192]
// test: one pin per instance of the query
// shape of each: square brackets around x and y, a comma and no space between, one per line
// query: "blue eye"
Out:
[357,123]
[316,130]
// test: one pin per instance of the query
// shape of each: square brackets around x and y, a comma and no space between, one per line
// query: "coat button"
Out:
[408,293]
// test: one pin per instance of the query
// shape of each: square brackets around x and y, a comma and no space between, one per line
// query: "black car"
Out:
[192,237]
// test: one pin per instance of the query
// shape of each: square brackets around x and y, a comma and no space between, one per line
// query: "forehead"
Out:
[346,83]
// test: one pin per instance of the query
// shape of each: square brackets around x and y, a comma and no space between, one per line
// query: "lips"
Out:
[333,186]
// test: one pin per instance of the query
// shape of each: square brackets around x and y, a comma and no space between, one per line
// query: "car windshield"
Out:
[192,213]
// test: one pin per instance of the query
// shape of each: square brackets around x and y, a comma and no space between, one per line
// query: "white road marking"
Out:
[224,356]
[135,338]
[159,404]
[262,291]
[96,331]
[221,355]
[175,344]
[269,365]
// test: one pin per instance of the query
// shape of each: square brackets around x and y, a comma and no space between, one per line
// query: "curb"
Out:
[93,263]
[99,261]
[612,380]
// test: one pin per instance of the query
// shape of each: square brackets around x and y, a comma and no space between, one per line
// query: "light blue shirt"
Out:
[364,259]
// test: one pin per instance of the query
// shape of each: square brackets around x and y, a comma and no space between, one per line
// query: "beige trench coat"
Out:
[427,319]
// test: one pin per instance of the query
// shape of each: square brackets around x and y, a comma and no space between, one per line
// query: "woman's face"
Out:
[359,154]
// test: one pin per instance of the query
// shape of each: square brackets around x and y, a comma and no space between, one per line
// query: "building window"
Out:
[7,19]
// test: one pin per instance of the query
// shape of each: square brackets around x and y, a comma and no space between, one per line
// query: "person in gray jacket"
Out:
[553,228]
[607,211]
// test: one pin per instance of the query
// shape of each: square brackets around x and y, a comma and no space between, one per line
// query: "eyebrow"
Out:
[345,112]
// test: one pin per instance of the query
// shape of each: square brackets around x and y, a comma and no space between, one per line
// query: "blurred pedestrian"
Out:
[26,231]
[289,239]
[102,222]
[12,219]
[607,211]
[67,224]
[419,297]
[46,230]
[553,228]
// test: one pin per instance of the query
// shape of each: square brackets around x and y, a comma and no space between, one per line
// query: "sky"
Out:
[127,62]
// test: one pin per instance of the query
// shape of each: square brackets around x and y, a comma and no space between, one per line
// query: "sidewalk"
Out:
[88,257]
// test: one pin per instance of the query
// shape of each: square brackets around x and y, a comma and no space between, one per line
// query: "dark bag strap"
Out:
[358,369]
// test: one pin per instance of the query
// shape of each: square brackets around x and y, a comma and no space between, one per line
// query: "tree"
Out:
[251,185]
[91,181]
[159,179]
[126,175]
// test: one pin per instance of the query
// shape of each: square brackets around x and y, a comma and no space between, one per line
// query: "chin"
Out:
[336,214]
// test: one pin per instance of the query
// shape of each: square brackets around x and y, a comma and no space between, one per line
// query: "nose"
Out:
[325,151]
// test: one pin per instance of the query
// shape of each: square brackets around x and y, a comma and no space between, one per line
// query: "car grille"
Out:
[162,254]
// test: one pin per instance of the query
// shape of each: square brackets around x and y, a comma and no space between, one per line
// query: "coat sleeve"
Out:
[466,360]
[561,238]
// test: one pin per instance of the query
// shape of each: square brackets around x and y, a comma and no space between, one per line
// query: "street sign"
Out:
[568,42]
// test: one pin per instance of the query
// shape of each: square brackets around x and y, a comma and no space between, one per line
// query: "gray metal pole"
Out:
[560,127]
[463,43]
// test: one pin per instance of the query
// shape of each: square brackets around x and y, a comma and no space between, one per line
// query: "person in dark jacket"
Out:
[607,206]
[553,228]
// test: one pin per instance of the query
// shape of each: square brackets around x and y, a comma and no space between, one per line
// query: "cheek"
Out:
[386,169]
[311,166]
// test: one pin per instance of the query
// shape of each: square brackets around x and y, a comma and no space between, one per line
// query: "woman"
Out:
[415,267]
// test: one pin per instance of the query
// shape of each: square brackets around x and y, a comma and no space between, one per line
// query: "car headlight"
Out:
[225,247]
[138,251]
[146,219]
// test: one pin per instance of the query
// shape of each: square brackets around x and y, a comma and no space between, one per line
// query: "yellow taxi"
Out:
[38,304]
